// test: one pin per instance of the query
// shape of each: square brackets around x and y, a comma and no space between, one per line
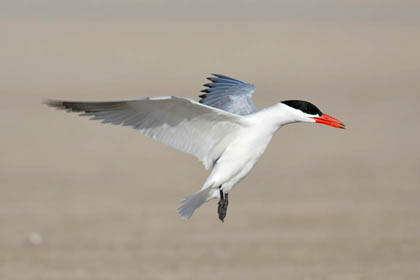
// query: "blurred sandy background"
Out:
[322,203]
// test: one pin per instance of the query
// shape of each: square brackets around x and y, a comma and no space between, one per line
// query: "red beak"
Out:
[328,120]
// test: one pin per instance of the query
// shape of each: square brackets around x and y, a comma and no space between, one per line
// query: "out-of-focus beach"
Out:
[322,203]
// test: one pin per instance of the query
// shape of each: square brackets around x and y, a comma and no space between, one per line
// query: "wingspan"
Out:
[182,123]
[229,94]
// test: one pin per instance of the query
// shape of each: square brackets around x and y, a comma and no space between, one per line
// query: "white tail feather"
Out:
[192,202]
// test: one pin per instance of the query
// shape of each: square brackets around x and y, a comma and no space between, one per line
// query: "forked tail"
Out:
[192,202]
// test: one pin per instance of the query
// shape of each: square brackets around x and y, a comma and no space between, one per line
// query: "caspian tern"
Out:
[223,129]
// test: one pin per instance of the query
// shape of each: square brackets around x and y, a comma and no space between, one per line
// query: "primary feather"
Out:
[229,94]
[182,123]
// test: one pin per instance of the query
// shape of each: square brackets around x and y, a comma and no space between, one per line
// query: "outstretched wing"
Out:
[182,123]
[229,94]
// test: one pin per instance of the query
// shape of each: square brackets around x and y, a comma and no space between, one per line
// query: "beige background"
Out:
[322,203]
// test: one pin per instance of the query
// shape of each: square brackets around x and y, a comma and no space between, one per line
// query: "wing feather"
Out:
[229,94]
[182,123]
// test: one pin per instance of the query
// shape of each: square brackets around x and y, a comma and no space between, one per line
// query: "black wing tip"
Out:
[54,103]
[215,76]
[68,106]
[202,97]
[220,76]
[218,79]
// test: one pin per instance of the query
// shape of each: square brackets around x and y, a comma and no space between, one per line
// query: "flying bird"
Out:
[223,130]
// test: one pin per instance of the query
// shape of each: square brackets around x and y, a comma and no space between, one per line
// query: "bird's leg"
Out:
[222,205]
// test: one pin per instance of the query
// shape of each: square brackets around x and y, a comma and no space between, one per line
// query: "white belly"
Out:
[237,161]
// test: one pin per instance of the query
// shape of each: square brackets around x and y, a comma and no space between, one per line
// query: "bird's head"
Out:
[304,111]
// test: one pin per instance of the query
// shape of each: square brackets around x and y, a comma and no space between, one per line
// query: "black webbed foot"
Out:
[222,205]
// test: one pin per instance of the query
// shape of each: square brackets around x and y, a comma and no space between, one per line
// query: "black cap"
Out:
[304,106]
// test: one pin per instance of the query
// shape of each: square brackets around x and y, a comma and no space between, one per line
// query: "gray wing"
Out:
[229,94]
[182,123]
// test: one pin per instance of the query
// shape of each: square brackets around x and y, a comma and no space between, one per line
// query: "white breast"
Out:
[239,157]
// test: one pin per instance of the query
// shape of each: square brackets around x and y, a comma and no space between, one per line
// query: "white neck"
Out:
[277,116]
